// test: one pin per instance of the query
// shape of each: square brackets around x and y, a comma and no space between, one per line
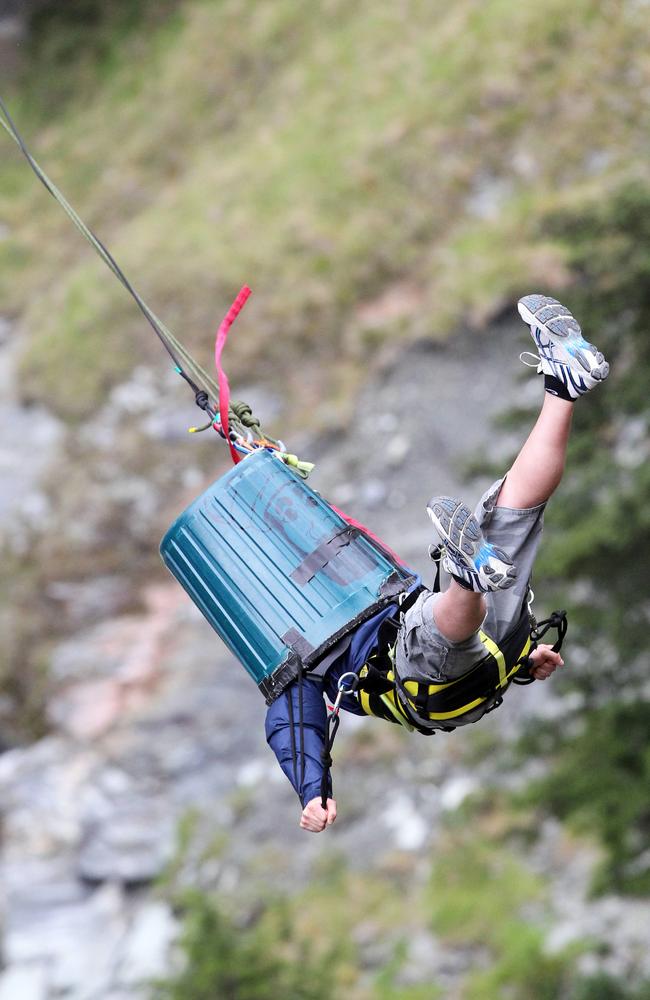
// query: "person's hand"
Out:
[544,661]
[314,818]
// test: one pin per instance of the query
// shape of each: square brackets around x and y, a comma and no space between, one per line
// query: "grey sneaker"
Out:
[563,351]
[466,553]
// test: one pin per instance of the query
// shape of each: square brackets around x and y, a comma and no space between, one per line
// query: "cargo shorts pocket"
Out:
[418,655]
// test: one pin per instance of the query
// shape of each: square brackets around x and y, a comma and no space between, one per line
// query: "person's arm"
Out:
[301,758]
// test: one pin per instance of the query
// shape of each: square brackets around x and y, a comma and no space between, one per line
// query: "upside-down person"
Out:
[443,659]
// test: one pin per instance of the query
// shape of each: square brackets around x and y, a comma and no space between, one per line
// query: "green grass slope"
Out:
[373,170]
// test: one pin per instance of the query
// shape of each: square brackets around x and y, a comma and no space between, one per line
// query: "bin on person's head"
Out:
[276,571]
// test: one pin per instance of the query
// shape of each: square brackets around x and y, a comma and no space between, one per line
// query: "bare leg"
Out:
[538,469]
[458,613]
[534,476]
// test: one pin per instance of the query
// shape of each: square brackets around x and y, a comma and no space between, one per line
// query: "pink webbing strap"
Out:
[224,388]
[366,531]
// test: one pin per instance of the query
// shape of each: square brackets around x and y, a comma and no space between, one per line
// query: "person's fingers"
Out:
[547,658]
[331,811]
[545,652]
[313,818]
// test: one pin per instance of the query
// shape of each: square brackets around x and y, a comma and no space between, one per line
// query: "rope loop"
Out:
[244,413]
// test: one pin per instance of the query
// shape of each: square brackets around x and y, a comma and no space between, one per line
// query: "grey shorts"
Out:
[422,652]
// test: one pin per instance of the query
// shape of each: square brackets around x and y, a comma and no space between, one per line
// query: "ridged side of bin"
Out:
[275,570]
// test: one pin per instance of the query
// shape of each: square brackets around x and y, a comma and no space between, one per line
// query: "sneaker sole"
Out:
[456,524]
[564,332]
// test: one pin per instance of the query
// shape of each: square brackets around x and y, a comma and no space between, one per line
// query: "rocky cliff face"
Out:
[151,720]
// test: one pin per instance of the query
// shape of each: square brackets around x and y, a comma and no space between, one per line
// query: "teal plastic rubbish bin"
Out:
[278,573]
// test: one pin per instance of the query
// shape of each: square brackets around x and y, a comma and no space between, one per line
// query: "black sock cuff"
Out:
[555,387]
[462,583]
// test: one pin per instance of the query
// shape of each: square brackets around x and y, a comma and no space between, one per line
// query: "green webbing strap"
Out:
[394,711]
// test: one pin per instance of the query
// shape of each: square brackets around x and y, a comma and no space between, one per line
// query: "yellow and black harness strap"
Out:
[381,700]
[448,700]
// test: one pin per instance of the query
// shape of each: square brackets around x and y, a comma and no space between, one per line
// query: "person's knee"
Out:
[459,613]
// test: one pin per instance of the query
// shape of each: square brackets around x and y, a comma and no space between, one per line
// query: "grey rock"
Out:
[148,944]
[98,597]
[78,943]
[131,846]
[34,887]
[30,439]
[456,789]
[424,959]
[488,196]
[40,788]
[409,829]
[24,982]
[128,993]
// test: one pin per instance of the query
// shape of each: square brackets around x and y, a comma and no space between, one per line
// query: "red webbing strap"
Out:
[371,534]
[224,388]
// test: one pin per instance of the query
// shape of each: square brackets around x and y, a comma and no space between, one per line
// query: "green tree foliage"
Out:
[230,963]
[603,515]
[600,544]
[603,987]
[601,782]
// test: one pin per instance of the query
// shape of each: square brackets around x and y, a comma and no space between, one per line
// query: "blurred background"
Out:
[389,177]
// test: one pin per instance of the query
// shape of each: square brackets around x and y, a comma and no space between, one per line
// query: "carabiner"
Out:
[344,688]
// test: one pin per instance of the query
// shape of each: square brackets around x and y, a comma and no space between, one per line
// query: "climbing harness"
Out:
[232,420]
[479,690]
[430,705]
[427,707]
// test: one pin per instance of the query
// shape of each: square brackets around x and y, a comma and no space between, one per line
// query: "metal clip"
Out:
[345,687]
